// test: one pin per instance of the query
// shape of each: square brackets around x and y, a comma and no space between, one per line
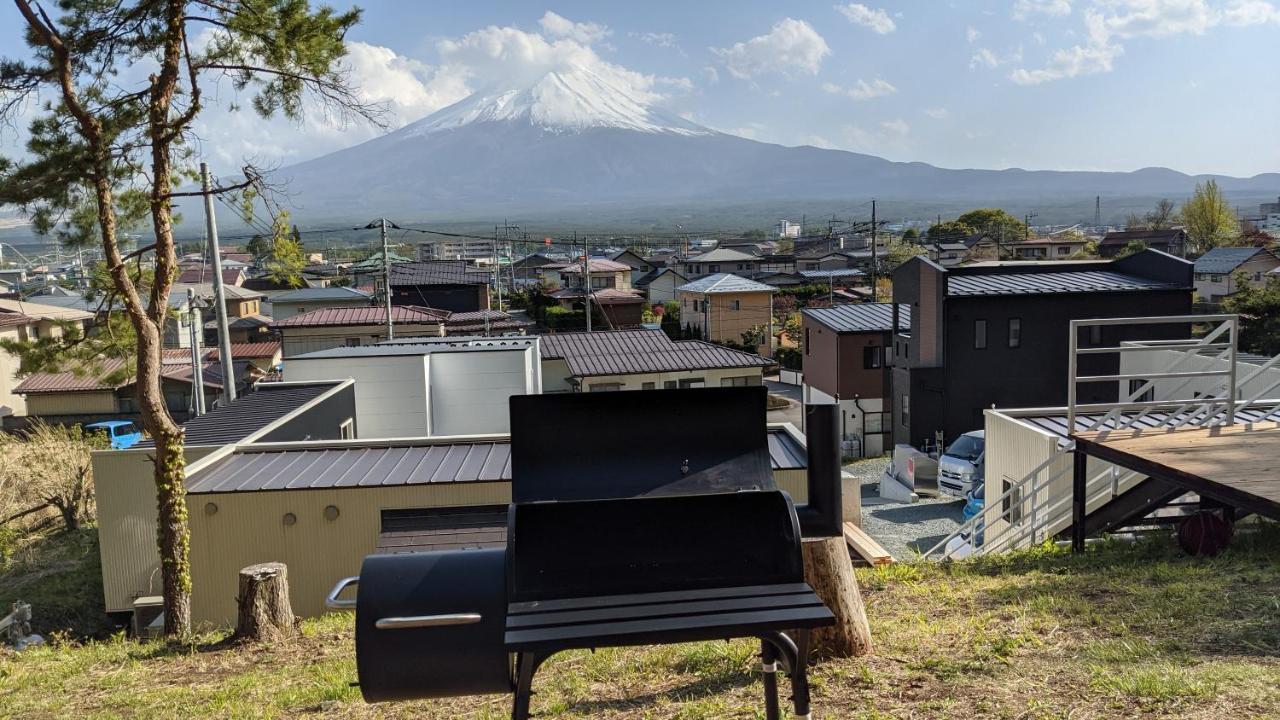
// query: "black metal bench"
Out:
[613,545]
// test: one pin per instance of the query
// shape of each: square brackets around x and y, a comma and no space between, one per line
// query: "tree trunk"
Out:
[828,568]
[264,610]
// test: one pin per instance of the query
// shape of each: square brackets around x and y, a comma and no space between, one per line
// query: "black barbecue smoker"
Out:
[637,518]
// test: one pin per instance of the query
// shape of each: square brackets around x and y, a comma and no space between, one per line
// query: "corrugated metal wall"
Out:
[71,403]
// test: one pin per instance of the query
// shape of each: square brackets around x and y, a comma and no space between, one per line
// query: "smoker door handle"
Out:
[424,621]
[331,600]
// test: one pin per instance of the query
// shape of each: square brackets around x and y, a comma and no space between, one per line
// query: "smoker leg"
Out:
[526,665]
[769,664]
[800,675]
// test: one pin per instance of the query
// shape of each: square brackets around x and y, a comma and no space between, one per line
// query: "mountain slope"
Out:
[571,140]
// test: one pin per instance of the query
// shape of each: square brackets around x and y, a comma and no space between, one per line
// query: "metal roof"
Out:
[255,349]
[627,352]
[363,316]
[1123,237]
[599,265]
[1223,260]
[725,283]
[230,276]
[41,311]
[721,255]
[1155,419]
[860,317]
[204,291]
[423,346]
[387,464]
[840,272]
[331,294]
[648,278]
[252,412]
[1041,283]
[437,272]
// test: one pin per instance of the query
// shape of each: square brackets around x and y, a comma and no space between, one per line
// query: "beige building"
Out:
[1225,271]
[21,321]
[642,360]
[721,308]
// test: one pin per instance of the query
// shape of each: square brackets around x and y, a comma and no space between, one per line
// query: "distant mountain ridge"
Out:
[572,140]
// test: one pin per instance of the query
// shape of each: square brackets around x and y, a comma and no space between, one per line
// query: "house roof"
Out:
[230,276]
[40,311]
[599,265]
[253,350]
[176,367]
[425,346]
[1040,283]
[606,296]
[437,272]
[725,283]
[722,255]
[840,272]
[374,261]
[370,315]
[324,294]
[1223,260]
[626,352]
[390,464]
[1122,237]
[647,279]
[204,290]
[244,322]
[11,319]
[860,317]
[252,412]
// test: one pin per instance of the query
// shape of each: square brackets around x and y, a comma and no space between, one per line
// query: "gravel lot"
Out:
[902,528]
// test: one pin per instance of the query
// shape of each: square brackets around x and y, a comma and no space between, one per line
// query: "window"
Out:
[1015,332]
[979,334]
[693,383]
[669,385]
[713,268]
[811,266]
[1095,334]
[1147,395]
[347,430]
[871,357]
[1064,250]
[605,387]
[735,305]
[742,381]
[906,410]
[353,342]
[649,386]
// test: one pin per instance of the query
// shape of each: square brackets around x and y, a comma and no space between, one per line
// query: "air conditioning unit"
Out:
[148,616]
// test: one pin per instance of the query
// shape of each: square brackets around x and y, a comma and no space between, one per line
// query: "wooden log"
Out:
[264,610]
[865,546]
[829,570]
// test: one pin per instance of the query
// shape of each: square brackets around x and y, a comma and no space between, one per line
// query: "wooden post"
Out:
[264,610]
[829,570]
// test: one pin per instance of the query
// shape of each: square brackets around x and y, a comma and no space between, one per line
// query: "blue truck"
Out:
[122,433]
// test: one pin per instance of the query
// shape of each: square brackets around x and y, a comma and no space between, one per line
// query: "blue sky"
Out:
[1060,84]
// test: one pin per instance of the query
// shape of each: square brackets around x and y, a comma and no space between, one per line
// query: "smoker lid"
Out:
[602,445]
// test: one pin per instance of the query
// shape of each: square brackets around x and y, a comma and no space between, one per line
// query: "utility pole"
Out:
[197,364]
[386,278]
[497,272]
[219,293]
[875,254]
[1027,229]
[586,278]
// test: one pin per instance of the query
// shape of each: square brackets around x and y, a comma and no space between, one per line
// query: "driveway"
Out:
[793,412]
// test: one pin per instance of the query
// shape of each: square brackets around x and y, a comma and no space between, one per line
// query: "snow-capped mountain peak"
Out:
[561,101]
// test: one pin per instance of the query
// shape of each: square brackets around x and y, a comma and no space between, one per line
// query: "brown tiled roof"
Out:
[1123,237]
[363,316]
[248,350]
[171,369]
[8,319]
[626,352]
[597,265]
[607,296]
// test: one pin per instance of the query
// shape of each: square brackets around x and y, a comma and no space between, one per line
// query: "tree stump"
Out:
[264,610]
[828,568]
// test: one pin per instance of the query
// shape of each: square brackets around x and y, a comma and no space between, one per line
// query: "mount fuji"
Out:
[572,141]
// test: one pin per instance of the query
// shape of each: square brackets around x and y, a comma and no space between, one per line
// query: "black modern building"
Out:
[997,334]
[451,285]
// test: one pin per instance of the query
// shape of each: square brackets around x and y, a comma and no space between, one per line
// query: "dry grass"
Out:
[1126,631]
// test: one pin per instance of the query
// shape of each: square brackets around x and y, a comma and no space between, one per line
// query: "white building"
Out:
[788,229]
[427,387]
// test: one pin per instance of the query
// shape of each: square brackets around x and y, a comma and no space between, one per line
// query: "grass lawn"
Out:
[1128,630]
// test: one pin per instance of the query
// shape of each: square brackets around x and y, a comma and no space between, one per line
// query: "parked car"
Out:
[122,433]
[960,469]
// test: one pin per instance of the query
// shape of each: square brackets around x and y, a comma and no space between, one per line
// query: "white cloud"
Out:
[862,90]
[586,33]
[897,129]
[938,113]
[662,40]
[792,45]
[1024,9]
[985,58]
[1110,22]
[713,75]
[876,20]
[972,34]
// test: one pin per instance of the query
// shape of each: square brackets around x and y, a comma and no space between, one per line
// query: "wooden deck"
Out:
[1238,465]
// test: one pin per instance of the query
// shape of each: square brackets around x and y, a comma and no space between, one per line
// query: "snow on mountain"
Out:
[569,100]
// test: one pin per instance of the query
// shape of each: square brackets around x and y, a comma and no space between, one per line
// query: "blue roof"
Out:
[1223,260]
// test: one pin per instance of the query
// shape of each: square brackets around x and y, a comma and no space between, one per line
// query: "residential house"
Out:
[287,304]
[720,260]
[247,329]
[777,263]
[642,360]
[1220,271]
[204,274]
[639,266]
[1046,248]
[611,292]
[1172,241]
[13,276]
[442,284]
[837,277]
[660,284]
[822,261]
[996,334]
[241,302]
[948,254]
[23,321]
[328,328]
[723,307]
[527,270]
[847,360]
[264,356]
[425,387]
[484,323]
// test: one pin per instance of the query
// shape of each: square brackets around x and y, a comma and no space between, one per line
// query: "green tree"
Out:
[899,252]
[950,231]
[1208,218]
[259,247]
[996,223]
[911,235]
[287,258]
[1259,310]
[1133,247]
[114,143]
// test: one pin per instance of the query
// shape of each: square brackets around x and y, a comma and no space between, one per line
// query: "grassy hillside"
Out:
[1125,631]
